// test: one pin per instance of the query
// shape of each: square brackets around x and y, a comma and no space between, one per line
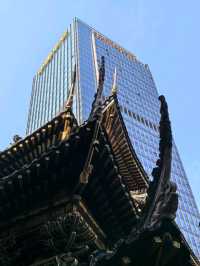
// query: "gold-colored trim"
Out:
[50,56]
[115,46]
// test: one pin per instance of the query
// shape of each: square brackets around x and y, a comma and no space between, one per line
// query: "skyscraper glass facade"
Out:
[82,47]
[52,81]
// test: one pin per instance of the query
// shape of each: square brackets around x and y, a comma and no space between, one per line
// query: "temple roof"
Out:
[94,163]
[39,166]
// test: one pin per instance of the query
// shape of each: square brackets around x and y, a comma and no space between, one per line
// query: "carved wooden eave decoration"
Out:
[130,167]
[33,146]
[73,231]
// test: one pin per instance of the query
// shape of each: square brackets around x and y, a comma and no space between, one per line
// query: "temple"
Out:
[78,195]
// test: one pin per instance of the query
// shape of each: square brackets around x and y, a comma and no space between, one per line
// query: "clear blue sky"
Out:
[164,34]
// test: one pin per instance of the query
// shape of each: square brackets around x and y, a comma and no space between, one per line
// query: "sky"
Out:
[164,34]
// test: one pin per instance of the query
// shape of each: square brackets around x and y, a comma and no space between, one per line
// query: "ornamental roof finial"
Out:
[114,85]
[69,101]
[162,197]
[97,103]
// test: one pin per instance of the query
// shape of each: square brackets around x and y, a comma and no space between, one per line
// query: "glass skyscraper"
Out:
[82,47]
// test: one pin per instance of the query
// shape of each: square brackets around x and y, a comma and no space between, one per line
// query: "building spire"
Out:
[69,101]
[114,85]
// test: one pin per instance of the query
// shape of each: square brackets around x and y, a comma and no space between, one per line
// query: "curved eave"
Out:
[131,169]
[32,146]
[56,174]
[107,195]
[54,171]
